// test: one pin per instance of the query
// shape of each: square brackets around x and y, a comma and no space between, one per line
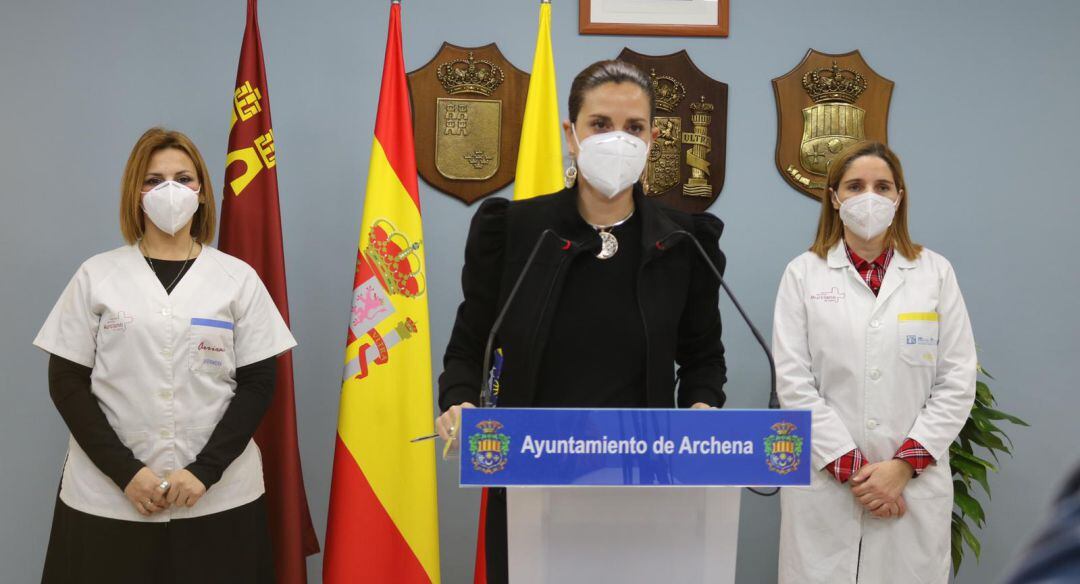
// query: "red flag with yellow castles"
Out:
[251,231]
[383,520]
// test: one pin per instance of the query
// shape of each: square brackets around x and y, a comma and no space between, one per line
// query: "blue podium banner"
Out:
[634,447]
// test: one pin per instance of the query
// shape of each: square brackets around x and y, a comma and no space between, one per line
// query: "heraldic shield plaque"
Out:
[685,169]
[823,105]
[467,109]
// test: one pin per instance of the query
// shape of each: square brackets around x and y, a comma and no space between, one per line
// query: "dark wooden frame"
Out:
[720,29]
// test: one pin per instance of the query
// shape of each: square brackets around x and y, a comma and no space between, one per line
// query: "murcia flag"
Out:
[251,231]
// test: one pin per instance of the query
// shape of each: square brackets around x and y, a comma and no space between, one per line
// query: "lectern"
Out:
[614,495]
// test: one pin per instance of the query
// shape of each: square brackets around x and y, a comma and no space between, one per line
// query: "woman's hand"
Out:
[880,483]
[448,424]
[702,406]
[184,488]
[891,510]
[145,492]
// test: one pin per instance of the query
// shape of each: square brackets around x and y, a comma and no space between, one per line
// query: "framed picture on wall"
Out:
[654,17]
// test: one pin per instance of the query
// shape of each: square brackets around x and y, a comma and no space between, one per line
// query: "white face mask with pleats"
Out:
[611,162]
[170,205]
[868,215]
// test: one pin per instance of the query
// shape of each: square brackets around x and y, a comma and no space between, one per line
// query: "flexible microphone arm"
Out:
[774,400]
[486,388]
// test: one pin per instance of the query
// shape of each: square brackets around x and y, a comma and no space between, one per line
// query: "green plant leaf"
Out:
[957,548]
[972,470]
[969,538]
[983,423]
[993,414]
[970,507]
[988,441]
[967,455]
[979,431]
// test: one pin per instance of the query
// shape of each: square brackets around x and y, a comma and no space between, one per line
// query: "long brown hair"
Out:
[154,140]
[831,228]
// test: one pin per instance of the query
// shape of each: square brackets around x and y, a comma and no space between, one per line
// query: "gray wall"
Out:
[984,115]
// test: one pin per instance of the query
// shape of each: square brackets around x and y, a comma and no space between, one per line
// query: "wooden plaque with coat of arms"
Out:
[685,169]
[468,105]
[823,105]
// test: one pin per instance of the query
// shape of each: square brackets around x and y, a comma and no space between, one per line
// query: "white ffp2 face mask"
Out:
[868,215]
[611,162]
[170,205]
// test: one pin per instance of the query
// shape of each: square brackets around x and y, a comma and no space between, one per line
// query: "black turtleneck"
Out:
[597,322]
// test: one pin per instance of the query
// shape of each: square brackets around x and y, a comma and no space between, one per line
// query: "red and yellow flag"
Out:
[251,231]
[383,522]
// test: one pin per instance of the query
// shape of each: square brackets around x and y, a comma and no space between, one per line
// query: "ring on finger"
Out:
[164,486]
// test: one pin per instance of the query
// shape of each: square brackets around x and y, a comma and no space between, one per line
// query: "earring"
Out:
[571,174]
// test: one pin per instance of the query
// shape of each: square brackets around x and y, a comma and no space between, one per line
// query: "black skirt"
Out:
[229,547]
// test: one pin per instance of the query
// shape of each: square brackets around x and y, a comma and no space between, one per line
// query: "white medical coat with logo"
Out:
[164,368]
[873,370]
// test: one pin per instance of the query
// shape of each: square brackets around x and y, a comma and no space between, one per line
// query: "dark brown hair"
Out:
[602,72]
[831,228]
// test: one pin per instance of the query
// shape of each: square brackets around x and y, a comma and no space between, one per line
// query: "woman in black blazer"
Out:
[609,306]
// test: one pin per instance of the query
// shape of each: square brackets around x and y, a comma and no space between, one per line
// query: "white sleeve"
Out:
[795,385]
[953,393]
[260,332]
[70,331]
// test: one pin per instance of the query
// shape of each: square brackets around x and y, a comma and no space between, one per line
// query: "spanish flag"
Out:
[539,163]
[383,521]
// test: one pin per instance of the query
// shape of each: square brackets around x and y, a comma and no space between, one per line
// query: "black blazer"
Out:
[677,297]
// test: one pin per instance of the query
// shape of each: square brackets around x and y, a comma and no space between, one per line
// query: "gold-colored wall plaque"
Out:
[467,138]
[823,105]
[468,105]
[685,168]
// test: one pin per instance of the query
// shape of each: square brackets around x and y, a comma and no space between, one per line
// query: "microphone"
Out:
[487,389]
[488,397]
[774,400]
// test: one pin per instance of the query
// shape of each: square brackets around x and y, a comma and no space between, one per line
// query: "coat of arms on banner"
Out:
[468,105]
[783,449]
[685,169]
[490,449]
[823,105]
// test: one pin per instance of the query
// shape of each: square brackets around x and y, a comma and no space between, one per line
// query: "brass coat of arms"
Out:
[468,105]
[685,169]
[823,105]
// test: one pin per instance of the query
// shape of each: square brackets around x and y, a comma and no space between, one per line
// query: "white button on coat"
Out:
[115,317]
[870,388]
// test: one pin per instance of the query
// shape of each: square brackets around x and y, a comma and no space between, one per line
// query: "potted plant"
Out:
[970,466]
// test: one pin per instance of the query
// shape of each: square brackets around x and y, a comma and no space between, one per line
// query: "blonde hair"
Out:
[154,140]
[831,228]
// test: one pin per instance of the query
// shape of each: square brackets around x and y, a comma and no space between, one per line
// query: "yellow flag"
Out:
[539,163]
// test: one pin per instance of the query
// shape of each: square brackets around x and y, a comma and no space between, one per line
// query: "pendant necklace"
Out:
[168,289]
[609,245]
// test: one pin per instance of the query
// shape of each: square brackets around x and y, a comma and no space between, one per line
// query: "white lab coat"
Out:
[164,368]
[874,371]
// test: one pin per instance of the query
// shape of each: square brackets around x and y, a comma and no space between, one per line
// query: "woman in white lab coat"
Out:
[871,334]
[162,364]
